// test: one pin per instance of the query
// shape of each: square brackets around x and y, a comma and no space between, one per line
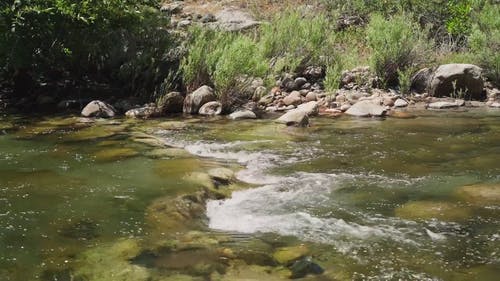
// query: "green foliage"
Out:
[485,41]
[292,40]
[404,78]
[240,57]
[397,44]
[114,41]
[459,21]
[333,74]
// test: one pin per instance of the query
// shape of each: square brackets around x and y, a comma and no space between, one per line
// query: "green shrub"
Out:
[485,41]
[404,77]
[292,40]
[241,57]
[397,43]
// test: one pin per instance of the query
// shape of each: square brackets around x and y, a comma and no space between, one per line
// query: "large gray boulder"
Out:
[294,117]
[451,79]
[171,103]
[194,101]
[211,108]
[366,108]
[98,108]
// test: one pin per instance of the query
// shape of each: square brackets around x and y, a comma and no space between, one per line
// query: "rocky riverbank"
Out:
[299,97]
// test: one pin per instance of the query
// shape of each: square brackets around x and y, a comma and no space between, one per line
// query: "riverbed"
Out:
[415,198]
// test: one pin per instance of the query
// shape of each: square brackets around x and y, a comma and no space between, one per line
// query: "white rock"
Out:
[366,108]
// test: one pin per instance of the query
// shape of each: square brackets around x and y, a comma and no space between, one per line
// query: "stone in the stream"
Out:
[113,154]
[443,105]
[295,117]
[366,108]
[223,175]
[143,112]
[480,194]
[242,114]
[110,262]
[450,79]
[311,108]
[303,267]
[98,108]
[194,101]
[287,255]
[427,210]
[211,108]
[400,103]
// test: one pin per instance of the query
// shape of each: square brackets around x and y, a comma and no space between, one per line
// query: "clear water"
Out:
[339,186]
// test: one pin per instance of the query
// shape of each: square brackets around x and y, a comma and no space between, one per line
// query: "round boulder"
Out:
[194,101]
[211,108]
[456,79]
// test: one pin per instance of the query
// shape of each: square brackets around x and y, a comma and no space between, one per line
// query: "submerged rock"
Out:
[288,255]
[366,108]
[480,194]
[222,175]
[98,108]
[110,262]
[426,210]
[303,267]
[113,154]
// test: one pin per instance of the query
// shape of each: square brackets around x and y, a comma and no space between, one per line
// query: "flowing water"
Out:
[374,199]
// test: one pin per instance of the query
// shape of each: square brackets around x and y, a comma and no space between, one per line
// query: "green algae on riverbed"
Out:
[360,194]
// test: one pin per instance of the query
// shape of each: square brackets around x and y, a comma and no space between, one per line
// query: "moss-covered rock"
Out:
[426,210]
[240,271]
[168,153]
[221,175]
[480,194]
[170,215]
[110,262]
[113,154]
[177,167]
[287,255]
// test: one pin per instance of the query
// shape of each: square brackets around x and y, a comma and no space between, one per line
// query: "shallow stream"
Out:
[372,199]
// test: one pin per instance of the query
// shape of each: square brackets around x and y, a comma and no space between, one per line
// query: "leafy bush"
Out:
[120,42]
[397,43]
[485,41]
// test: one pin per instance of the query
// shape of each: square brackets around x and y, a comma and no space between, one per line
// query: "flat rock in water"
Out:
[242,114]
[443,105]
[221,174]
[295,117]
[366,108]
